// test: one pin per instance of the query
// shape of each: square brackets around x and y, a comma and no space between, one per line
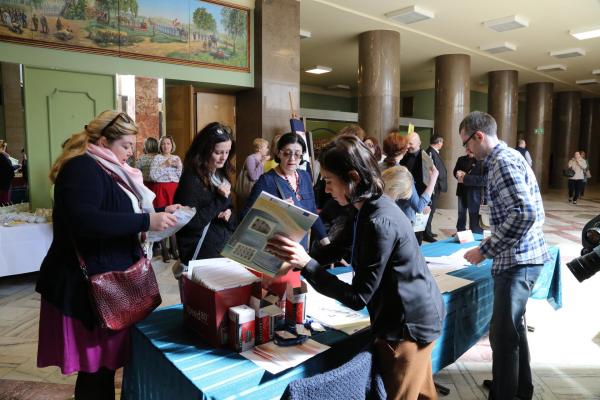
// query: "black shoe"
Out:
[427,238]
[487,383]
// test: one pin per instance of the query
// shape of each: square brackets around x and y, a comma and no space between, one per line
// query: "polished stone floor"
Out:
[564,346]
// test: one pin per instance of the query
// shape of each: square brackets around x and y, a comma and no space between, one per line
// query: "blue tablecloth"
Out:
[168,362]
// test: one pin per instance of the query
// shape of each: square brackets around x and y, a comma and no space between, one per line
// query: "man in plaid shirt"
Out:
[517,247]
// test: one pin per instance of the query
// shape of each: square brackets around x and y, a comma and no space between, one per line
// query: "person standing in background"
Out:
[373,144]
[587,175]
[579,165]
[145,161]
[522,148]
[7,173]
[464,164]
[395,147]
[473,181]
[271,163]
[441,186]
[252,170]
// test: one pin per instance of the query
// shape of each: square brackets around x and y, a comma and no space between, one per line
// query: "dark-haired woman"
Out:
[205,185]
[290,183]
[391,277]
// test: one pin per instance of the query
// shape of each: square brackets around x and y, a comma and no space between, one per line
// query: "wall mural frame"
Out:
[203,33]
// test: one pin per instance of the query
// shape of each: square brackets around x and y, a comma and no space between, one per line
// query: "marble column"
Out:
[264,110]
[565,140]
[379,82]
[503,102]
[452,104]
[538,128]
[14,117]
[147,111]
[595,141]
[586,140]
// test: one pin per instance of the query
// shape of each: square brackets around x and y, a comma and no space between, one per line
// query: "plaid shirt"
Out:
[517,212]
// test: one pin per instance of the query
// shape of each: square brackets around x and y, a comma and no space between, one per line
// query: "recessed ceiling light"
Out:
[507,23]
[409,15]
[567,53]
[596,72]
[318,69]
[587,81]
[585,33]
[498,47]
[339,86]
[551,67]
[305,34]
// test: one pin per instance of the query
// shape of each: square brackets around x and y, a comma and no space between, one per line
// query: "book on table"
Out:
[269,215]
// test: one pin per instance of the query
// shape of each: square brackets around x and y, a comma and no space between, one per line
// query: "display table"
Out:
[23,247]
[169,362]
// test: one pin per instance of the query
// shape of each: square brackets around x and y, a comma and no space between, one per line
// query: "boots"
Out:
[173,247]
[164,250]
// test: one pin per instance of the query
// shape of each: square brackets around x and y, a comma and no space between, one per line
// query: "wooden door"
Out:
[180,117]
[58,104]
[212,107]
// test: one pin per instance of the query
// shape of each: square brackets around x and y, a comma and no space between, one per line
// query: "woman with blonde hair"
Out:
[100,208]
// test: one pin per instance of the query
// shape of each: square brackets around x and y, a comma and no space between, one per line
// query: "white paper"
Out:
[183,214]
[220,273]
[275,358]
[454,261]
[426,163]
[448,283]
[420,222]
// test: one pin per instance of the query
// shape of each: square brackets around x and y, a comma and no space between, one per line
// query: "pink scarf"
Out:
[132,176]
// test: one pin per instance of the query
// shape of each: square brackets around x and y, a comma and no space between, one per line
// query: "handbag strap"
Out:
[199,245]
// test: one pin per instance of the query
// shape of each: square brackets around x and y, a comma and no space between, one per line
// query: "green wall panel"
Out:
[326,102]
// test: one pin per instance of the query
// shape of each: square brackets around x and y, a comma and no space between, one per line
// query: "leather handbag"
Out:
[123,298]
[569,172]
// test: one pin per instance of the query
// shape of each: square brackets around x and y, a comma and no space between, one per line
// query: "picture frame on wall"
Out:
[204,33]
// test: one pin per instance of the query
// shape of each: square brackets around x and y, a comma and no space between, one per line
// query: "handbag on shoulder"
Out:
[568,172]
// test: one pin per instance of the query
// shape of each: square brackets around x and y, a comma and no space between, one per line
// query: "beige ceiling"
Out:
[456,28]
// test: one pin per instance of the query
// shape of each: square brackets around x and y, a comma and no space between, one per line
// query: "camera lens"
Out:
[585,266]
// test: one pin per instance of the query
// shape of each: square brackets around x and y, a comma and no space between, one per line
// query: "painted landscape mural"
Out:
[182,31]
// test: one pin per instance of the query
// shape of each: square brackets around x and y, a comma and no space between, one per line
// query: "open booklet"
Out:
[269,215]
[427,162]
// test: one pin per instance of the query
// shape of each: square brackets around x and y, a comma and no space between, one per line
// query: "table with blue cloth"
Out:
[168,361]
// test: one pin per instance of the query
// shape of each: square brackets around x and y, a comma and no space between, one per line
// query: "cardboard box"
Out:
[295,307]
[241,328]
[267,316]
[206,305]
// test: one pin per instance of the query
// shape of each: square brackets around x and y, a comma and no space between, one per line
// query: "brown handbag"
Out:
[123,298]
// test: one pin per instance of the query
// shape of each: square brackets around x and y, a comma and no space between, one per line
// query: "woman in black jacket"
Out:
[102,219]
[205,185]
[391,277]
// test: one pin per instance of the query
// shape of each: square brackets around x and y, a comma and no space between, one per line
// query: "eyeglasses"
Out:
[123,115]
[289,154]
[470,137]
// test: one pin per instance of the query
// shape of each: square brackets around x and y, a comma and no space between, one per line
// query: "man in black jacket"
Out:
[441,186]
[469,173]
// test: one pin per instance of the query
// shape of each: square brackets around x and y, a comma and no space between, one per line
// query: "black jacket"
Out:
[92,210]
[441,185]
[7,172]
[414,163]
[192,192]
[391,276]
[470,191]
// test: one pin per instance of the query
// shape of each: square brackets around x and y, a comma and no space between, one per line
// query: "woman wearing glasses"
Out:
[100,207]
[290,183]
[205,185]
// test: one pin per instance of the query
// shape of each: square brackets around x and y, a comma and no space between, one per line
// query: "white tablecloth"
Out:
[23,247]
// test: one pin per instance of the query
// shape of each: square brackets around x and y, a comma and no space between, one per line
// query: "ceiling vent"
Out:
[410,15]
[498,47]
[551,68]
[339,86]
[305,34]
[587,33]
[596,72]
[567,53]
[507,23]
[587,81]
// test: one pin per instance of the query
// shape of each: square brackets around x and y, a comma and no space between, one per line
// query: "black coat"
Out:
[192,192]
[470,190]
[414,163]
[391,276]
[7,172]
[94,212]
[441,185]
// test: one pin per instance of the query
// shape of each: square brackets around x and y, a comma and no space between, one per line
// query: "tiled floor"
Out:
[564,346]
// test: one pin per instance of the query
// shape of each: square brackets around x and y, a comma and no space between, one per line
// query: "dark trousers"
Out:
[575,186]
[511,373]
[98,385]
[433,206]
[461,224]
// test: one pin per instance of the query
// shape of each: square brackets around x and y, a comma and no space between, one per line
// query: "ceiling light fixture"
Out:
[498,47]
[409,15]
[587,81]
[585,33]
[551,67]
[567,53]
[339,86]
[507,23]
[318,69]
[305,34]
[596,71]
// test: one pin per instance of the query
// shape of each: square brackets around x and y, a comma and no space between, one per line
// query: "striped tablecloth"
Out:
[169,362]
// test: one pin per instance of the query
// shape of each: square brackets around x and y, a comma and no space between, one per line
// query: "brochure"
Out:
[269,215]
[183,215]
[427,162]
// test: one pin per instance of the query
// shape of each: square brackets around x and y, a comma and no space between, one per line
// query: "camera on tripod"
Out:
[588,263]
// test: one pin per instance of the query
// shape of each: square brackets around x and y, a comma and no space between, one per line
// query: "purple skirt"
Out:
[66,343]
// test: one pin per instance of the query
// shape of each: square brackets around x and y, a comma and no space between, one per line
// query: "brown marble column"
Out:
[595,141]
[565,140]
[503,102]
[147,111]
[14,118]
[538,129]
[265,110]
[379,82]
[586,140]
[452,104]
